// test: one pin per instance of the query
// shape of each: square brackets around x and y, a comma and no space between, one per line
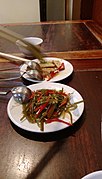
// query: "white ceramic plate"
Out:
[61,75]
[15,110]
[94,175]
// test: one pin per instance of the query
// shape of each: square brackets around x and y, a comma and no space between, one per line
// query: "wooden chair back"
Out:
[91,9]
[97,11]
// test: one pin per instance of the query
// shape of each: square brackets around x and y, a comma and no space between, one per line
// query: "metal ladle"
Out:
[33,74]
[21,94]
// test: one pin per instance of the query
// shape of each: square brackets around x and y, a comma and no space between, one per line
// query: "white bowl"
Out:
[33,40]
[94,175]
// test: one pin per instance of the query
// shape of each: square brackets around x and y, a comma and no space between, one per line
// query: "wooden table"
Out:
[73,152]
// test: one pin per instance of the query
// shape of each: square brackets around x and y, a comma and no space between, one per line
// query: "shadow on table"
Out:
[51,136]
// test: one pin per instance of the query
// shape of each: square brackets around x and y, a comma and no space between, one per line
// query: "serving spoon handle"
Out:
[4,92]
[12,57]
[9,79]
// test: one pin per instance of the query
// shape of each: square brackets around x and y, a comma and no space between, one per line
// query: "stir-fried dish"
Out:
[47,106]
[50,69]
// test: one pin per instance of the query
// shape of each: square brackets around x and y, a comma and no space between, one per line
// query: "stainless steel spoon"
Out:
[21,94]
[33,74]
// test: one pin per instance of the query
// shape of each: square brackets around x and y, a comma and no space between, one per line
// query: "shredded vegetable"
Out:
[47,106]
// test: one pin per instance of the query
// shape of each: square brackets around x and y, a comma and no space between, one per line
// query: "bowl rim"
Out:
[93,174]
[39,40]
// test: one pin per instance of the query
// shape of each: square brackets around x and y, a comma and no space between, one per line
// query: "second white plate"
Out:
[60,76]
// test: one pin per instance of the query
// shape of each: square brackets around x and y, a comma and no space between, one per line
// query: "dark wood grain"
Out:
[70,153]
[97,11]
[86,9]
[58,37]
[95,28]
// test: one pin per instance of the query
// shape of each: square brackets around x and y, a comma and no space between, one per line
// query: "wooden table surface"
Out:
[73,152]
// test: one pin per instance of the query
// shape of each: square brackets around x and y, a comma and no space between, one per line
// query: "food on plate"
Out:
[47,106]
[51,69]
[47,65]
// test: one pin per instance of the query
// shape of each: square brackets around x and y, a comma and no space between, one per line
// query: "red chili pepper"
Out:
[62,93]
[51,110]
[53,73]
[57,120]
[61,67]
[63,102]
[32,95]
[49,91]
[40,109]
